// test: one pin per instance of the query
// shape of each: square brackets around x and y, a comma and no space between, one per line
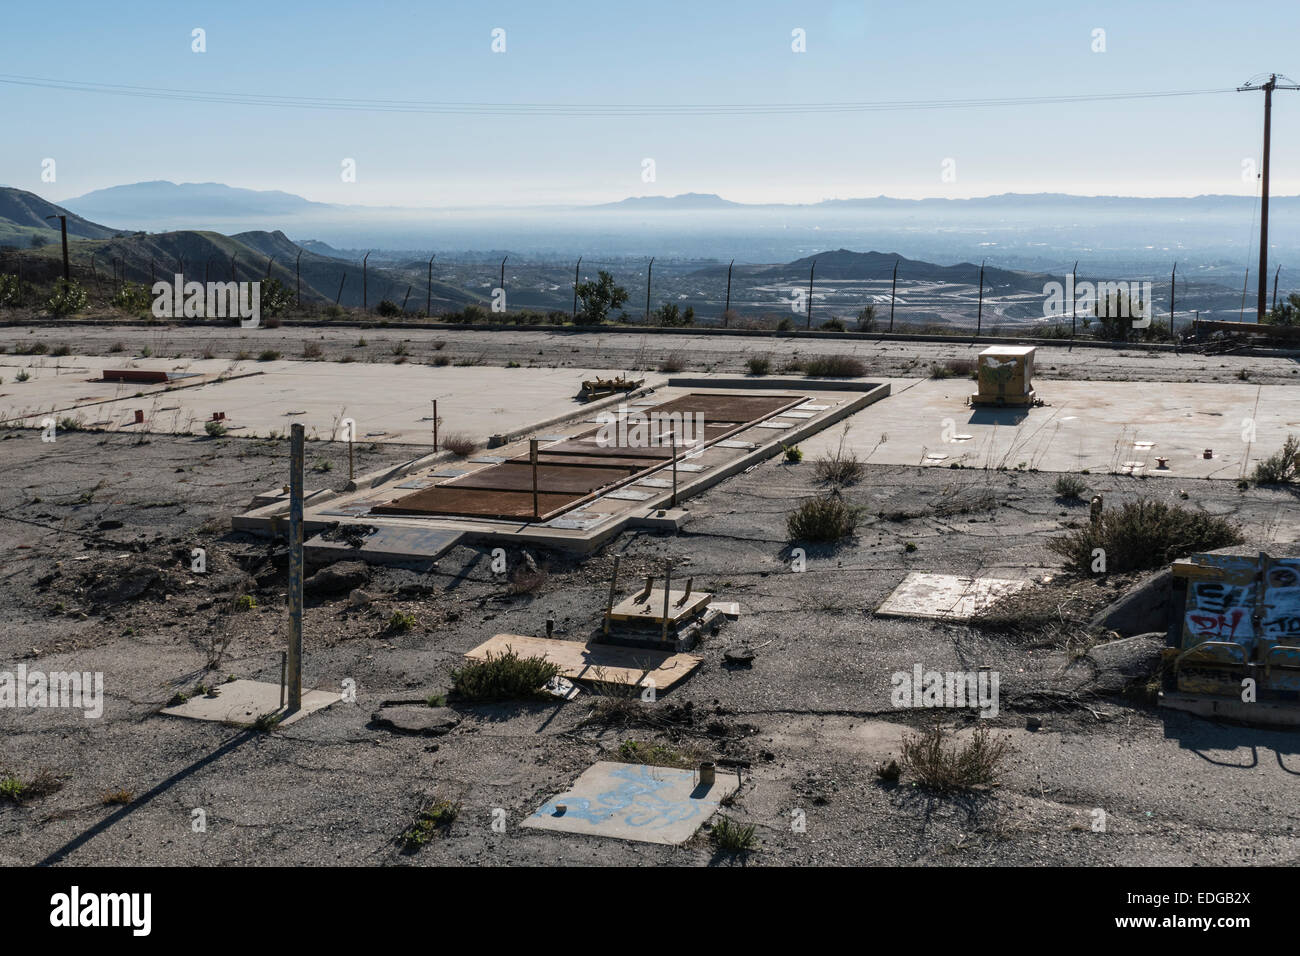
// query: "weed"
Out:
[460,445]
[732,837]
[822,519]
[505,676]
[978,762]
[758,365]
[1070,488]
[1143,535]
[215,429]
[432,818]
[1282,467]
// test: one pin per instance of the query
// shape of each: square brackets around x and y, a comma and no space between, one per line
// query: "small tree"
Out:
[274,298]
[1288,313]
[670,315]
[867,319]
[600,297]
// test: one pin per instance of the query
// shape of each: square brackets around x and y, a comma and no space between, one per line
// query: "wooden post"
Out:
[613,591]
[532,458]
[295,568]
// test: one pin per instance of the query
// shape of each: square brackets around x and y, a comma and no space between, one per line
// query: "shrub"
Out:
[840,467]
[833,366]
[669,315]
[867,319]
[758,365]
[10,291]
[132,297]
[273,299]
[1070,487]
[793,454]
[22,376]
[388,309]
[432,818]
[597,299]
[785,325]
[268,355]
[399,623]
[732,837]
[505,676]
[832,325]
[61,350]
[459,444]
[311,350]
[215,429]
[954,368]
[975,763]
[674,362]
[1282,467]
[68,298]
[1143,535]
[822,519]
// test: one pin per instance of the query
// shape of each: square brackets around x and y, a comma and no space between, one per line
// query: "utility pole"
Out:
[575,290]
[648,273]
[811,273]
[63,227]
[727,307]
[1268,86]
[893,288]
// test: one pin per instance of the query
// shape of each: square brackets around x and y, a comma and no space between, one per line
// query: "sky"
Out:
[663,54]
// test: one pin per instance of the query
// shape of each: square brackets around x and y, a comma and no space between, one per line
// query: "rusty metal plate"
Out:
[550,478]
[544,457]
[730,408]
[477,503]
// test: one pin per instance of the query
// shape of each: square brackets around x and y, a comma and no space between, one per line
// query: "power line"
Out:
[575,109]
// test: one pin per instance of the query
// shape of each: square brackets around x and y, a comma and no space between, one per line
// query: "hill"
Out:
[22,215]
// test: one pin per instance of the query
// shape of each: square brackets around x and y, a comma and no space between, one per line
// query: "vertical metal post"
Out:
[428,295]
[269,262]
[284,666]
[532,458]
[405,298]
[575,290]
[979,315]
[232,267]
[295,567]
[648,274]
[1276,276]
[341,281]
[727,308]
[503,275]
[893,289]
[63,226]
[1263,202]
[435,424]
[297,269]
[1074,299]
[365,291]
[351,434]
[1173,276]
[811,273]
[668,587]
[613,591]
[674,470]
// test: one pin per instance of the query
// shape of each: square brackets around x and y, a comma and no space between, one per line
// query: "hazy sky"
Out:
[660,53]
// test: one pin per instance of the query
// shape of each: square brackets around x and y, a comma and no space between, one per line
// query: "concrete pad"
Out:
[944,597]
[243,701]
[1099,426]
[635,802]
[261,398]
[595,663]
[386,545]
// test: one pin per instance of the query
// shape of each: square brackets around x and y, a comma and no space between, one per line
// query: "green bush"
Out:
[388,309]
[833,366]
[505,676]
[822,519]
[133,298]
[1143,535]
[274,298]
[10,291]
[68,298]
[1070,487]
[1282,467]
[758,365]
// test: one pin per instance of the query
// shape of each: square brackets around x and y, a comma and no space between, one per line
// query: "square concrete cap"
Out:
[243,701]
[630,801]
[945,596]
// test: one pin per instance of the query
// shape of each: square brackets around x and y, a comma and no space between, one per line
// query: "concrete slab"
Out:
[386,545]
[1098,426]
[243,701]
[634,802]
[945,597]
[385,401]
[596,663]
